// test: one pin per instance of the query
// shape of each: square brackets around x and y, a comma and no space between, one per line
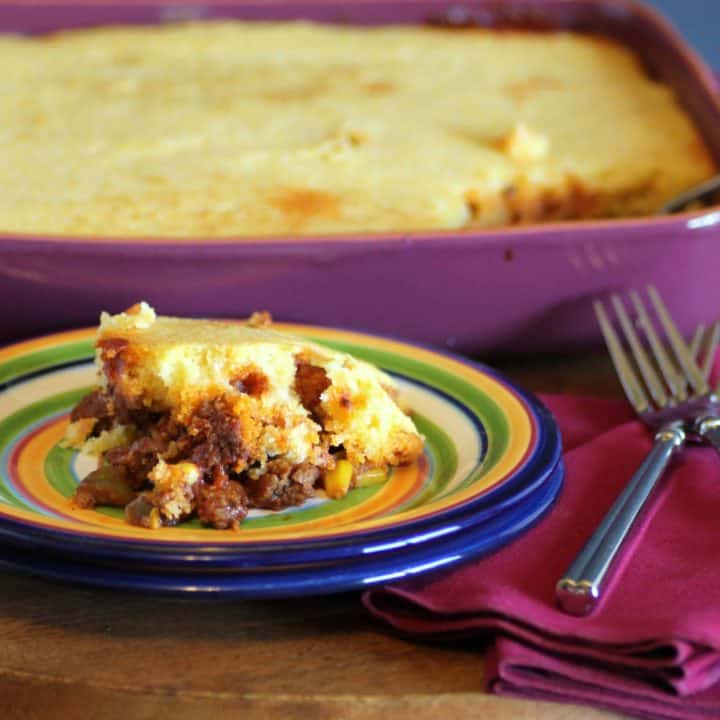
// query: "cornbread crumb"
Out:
[119,436]
[525,145]
[138,317]
[173,484]
[77,433]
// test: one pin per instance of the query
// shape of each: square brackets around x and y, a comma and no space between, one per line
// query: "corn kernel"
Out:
[371,477]
[337,480]
[154,520]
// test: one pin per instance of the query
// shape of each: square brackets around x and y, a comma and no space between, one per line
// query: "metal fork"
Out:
[663,402]
[705,194]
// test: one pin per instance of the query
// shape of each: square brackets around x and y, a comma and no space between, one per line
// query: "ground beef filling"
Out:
[222,505]
[94,405]
[282,485]
[211,440]
[311,382]
[108,485]
[213,437]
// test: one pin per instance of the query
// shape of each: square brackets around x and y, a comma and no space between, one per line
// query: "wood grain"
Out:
[72,652]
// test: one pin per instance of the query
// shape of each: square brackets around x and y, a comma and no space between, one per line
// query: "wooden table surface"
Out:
[70,652]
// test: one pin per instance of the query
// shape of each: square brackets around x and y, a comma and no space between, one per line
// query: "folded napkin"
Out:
[652,649]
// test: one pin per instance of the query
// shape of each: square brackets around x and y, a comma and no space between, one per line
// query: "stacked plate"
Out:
[491,468]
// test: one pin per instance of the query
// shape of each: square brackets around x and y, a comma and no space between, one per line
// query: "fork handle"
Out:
[580,590]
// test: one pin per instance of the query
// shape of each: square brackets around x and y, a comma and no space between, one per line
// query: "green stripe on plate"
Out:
[441,449]
[45,358]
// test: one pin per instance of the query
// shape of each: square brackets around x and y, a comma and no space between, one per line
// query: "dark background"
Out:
[698,21]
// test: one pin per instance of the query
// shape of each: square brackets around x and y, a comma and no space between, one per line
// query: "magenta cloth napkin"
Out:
[652,649]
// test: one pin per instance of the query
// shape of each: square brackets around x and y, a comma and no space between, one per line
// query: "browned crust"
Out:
[299,204]
[524,204]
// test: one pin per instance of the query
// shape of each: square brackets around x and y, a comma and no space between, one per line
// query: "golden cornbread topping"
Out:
[209,418]
[230,128]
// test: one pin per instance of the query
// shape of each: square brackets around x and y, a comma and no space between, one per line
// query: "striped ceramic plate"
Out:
[489,446]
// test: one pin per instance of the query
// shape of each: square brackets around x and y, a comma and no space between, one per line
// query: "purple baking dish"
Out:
[477,291]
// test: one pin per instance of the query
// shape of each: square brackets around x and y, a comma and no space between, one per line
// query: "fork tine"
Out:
[652,381]
[692,372]
[711,349]
[676,382]
[629,380]
[696,341]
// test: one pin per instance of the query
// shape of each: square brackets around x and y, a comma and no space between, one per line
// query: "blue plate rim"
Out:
[327,578]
